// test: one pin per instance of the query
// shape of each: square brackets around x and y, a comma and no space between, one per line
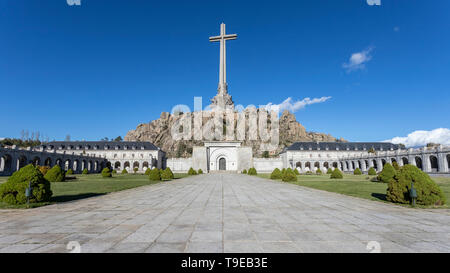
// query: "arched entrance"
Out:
[434,164]
[419,163]
[222,164]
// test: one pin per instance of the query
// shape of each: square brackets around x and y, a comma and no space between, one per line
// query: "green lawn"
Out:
[357,185]
[83,186]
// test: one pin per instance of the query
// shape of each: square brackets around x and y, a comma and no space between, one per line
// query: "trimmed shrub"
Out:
[124,171]
[372,171]
[85,171]
[167,174]
[106,172]
[55,174]
[296,171]
[114,171]
[276,174]
[135,169]
[357,171]
[252,171]
[289,176]
[244,171]
[387,173]
[200,171]
[69,171]
[395,165]
[309,173]
[329,171]
[147,171]
[44,169]
[428,192]
[192,171]
[336,174]
[283,171]
[319,171]
[155,174]
[13,190]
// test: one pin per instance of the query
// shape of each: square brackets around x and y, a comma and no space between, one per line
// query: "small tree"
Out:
[336,174]
[395,165]
[55,174]
[428,192]
[387,173]
[114,171]
[124,171]
[85,171]
[192,171]
[276,174]
[200,171]
[296,171]
[135,169]
[265,154]
[167,174]
[372,171]
[289,176]
[357,171]
[329,171]
[319,171]
[252,171]
[106,173]
[244,171]
[155,175]
[147,171]
[13,190]
[69,171]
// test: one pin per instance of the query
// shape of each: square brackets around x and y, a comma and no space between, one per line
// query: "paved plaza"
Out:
[224,213]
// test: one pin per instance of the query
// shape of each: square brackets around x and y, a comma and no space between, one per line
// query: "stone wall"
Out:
[267,165]
[179,165]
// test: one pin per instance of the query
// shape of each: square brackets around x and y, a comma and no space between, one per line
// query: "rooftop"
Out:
[99,145]
[343,146]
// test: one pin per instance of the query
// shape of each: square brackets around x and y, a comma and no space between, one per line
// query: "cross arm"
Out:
[225,37]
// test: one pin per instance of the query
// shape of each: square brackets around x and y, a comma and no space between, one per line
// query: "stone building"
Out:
[118,154]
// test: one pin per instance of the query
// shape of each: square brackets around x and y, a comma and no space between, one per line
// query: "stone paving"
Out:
[224,213]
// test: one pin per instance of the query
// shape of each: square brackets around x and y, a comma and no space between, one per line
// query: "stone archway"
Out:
[419,162]
[405,161]
[434,164]
[448,161]
[6,163]
[222,164]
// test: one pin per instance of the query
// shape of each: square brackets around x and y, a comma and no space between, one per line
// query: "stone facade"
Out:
[12,159]
[119,155]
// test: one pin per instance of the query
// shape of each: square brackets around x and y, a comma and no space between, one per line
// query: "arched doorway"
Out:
[222,164]
[448,161]
[419,163]
[117,165]
[405,161]
[5,164]
[434,164]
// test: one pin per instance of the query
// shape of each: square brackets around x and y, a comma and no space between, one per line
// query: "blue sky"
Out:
[99,69]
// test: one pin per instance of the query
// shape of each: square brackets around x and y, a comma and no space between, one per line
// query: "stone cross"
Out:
[223,56]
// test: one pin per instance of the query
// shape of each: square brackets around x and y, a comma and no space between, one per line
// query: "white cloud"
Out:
[422,138]
[294,106]
[358,60]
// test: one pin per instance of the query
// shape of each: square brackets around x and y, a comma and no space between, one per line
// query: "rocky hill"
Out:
[158,132]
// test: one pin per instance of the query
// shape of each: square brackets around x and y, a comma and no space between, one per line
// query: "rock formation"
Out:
[159,133]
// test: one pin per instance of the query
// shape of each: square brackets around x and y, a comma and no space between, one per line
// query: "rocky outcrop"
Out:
[159,133]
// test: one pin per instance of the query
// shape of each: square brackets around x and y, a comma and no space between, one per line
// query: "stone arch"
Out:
[419,162]
[135,165]
[353,165]
[90,165]
[36,161]
[434,163]
[448,161]
[346,165]
[76,165]
[316,165]
[335,165]
[326,165]
[383,162]
[21,162]
[308,166]
[375,165]
[298,165]
[126,165]
[48,162]
[222,164]
[117,165]
[83,165]
[58,162]
[96,166]
[6,163]
[67,164]
[405,161]
[145,165]
[393,160]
